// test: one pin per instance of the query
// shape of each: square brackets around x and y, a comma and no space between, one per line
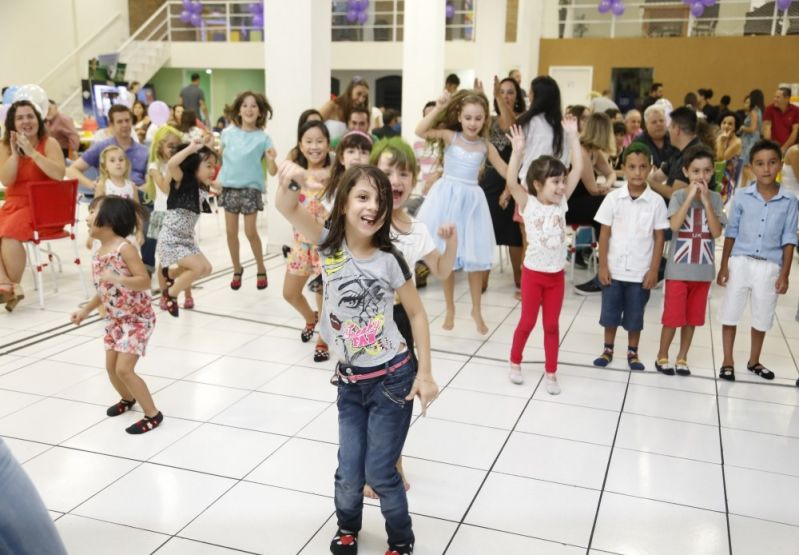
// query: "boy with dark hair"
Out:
[630,248]
[452,83]
[696,215]
[756,260]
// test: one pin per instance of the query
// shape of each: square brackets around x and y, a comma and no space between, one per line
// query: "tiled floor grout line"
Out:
[607,468]
[721,447]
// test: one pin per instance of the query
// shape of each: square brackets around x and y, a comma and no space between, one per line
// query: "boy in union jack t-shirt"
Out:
[696,216]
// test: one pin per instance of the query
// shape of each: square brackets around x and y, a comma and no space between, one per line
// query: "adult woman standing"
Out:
[508,105]
[335,112]
[752,129]
[26,154]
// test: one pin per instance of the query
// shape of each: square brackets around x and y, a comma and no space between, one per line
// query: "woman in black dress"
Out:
[508,104]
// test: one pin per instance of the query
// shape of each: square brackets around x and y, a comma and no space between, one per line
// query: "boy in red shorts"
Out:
[696,216]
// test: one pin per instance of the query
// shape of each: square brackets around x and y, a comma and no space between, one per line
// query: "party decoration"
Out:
[257,11]
[450,11]
[357,11]
[36,95]
[604,6]
[3,111]
[697,9]
[185,16]
[784,5]
[158,112]
[8,95]
[617,8]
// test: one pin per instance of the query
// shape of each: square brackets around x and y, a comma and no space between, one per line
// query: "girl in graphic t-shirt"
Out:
[543,205]
[377,378]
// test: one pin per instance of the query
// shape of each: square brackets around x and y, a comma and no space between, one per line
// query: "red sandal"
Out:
[171,303]
[235,283]
[262,282]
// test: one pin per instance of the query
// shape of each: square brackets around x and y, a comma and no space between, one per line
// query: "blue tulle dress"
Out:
[457,198]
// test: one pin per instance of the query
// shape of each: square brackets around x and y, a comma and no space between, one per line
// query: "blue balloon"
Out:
[8,96]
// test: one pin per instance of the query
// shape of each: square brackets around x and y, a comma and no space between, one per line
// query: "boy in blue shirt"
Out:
[756,260]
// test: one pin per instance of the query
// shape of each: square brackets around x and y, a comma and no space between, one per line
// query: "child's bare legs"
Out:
[666,337]
[119,385]
[292,292]
[476,291]
[370,493]
[125,365]
[192,268]
[175,274]
[632,338]
[449,298]
[757,346]
[232,234]
[728,342]
[251,231]
[12,260]
[686,337]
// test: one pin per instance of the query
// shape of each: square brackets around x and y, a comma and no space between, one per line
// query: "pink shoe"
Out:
[162,303]
[188,303]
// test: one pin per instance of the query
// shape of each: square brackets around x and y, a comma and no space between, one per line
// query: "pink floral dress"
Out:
[304,257]
[130,316]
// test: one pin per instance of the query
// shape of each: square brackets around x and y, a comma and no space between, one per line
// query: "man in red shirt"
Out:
[781,120]
[62,129]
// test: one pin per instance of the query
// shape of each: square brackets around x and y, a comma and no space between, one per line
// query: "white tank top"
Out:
[126,191]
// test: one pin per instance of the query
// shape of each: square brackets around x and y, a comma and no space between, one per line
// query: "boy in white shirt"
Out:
[631,243]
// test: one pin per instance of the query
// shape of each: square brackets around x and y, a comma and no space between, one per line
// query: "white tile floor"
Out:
[244,462]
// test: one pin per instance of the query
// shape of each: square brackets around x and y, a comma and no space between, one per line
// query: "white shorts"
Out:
[755,277]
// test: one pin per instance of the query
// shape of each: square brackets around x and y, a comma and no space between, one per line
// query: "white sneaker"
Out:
[515,374]
[551,381]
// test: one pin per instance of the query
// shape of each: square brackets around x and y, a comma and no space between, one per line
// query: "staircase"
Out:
[144,53]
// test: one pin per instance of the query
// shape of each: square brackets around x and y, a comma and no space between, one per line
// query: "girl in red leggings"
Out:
[543,205]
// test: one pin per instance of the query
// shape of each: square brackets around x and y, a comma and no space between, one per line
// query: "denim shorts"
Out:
[623,304]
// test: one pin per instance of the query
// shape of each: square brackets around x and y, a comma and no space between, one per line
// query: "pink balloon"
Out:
[158,112]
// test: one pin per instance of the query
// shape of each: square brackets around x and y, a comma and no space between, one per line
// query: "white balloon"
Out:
[36,95]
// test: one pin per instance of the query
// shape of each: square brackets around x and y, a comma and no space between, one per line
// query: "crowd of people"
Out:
[373,216]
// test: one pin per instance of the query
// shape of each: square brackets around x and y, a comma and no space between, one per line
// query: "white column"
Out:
[422,60]
[528,36]
[297,73]
[490,18]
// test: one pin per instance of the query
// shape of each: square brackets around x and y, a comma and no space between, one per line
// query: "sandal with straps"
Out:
[307,334]
[171,303]
[17,295]
[261,282]
[604,359]
[727,373]
[760,370]
[121,407]
[145,424]
[321,353]
[633,362]
[235,283]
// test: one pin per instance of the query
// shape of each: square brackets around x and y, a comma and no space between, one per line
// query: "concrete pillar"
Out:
[532,25]
[422,60]
[297,73]
[490,18]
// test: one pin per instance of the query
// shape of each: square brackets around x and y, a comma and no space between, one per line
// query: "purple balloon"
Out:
[362,17]
[196,19]
[258,20]
[185,16]
[604,6]
[783,5]
[698,9]
[158,112]
[617,9]
[450,11]
[186,4]
[709,3]
[352,15]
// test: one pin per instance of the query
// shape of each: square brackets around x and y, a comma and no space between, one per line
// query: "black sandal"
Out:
[307,334]
[727,373]
[321,353]
[760,370]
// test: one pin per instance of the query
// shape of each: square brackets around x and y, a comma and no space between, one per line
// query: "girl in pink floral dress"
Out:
[123,289]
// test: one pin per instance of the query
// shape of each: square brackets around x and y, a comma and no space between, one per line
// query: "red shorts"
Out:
[684,303]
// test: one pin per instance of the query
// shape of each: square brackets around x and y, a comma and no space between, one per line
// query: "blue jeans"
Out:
[623,304]
[373,421]
[25,525]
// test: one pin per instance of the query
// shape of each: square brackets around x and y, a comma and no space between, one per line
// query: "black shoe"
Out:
[663,366]
[121,407]
[344,543]
[145,424]
[588,288]
[286,251]
[394,549]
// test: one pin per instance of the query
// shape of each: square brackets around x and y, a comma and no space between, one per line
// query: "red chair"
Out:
[53,207]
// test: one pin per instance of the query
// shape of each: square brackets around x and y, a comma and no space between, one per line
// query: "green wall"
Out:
[220,87]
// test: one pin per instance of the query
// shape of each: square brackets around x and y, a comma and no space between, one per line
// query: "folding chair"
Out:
[53,207]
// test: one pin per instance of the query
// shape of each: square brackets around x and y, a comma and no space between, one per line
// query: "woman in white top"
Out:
[790,170]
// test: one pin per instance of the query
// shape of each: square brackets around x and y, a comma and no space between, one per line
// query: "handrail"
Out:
[164,7]
[74,53]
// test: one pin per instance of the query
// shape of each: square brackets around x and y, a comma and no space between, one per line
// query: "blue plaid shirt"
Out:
[762,228]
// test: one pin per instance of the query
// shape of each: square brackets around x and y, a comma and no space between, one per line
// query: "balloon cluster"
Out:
[450,11]
[783,5]
[257,12]
[616,7]
[698,6]
[357,11]
[158,112]
[33,93]
[191,12]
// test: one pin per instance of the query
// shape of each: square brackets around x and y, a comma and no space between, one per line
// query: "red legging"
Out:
[544,290]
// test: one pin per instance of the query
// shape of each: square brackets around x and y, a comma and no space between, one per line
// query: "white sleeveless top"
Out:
[128,190]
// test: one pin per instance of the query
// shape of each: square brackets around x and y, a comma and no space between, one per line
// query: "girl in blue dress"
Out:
[460,125]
